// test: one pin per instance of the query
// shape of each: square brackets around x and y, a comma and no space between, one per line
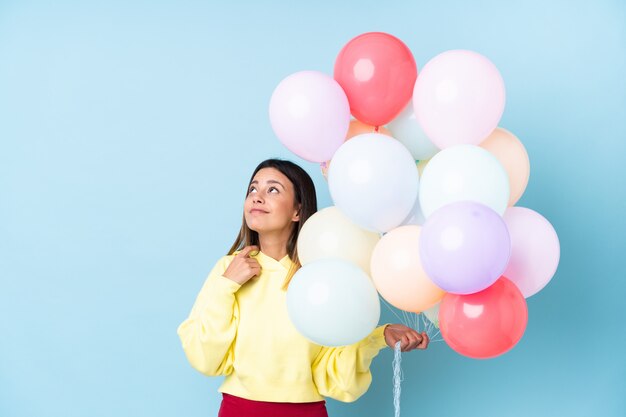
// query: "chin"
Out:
[255,227]
[261,228]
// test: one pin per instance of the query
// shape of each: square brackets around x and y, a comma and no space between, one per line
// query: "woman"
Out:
[239,326]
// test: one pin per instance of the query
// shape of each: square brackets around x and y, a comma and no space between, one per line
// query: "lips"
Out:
[254,211]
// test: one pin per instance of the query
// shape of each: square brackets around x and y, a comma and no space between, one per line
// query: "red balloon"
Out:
[484,324]
[377,71]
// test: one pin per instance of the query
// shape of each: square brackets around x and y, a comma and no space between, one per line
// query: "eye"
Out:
[251,189]
[272,189]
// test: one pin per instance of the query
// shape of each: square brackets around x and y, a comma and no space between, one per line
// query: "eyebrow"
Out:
[269,182]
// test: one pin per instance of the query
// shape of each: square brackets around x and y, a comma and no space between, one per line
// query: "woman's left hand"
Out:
[409,338]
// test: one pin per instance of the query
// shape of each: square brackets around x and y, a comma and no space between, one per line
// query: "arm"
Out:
[208,333]
[343,372]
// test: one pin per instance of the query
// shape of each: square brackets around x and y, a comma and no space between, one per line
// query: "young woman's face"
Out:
[270,205]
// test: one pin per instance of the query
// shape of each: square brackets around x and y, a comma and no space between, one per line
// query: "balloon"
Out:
[458,98]
[374,181]
[464,173]
[432,314]
[535,250]
[356,128]
[330,234]
[407,130]
[513,156]
[332,302]
[310,114]
[485,324]
[398,274]
[377,71]
[464,247]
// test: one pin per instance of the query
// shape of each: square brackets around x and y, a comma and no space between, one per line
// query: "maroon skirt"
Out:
[240,407]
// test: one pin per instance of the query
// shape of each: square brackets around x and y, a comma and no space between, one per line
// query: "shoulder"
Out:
[227,259]
[221,264]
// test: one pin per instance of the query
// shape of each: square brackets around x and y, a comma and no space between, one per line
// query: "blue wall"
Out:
[127,134]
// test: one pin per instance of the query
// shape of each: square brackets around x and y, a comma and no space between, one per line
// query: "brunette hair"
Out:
[304,191]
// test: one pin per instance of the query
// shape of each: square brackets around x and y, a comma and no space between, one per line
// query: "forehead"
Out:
[271,174]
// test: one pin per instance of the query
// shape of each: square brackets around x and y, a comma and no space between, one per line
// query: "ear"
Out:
[296,214]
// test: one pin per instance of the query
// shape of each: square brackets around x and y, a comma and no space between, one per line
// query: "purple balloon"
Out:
[464,247]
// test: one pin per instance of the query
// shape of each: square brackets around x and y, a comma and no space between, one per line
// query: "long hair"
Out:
[304,191]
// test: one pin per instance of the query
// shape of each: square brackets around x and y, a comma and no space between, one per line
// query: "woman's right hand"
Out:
[242,268]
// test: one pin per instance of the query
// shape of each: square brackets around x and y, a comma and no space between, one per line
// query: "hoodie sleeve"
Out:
[343,373]
[207,335]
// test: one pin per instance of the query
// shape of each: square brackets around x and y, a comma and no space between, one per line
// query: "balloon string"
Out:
[397,378]
[391,309]
[416,321]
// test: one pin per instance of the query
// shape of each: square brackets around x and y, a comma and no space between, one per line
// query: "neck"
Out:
[274,245]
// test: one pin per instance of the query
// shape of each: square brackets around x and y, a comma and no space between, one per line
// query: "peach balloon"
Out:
[356,128]
[398,274]
[510,151]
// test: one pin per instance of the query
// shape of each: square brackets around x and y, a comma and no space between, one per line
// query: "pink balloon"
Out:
[458,98]
[310,114]
[535,250]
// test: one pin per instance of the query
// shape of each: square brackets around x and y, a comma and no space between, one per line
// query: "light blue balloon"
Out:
[374,181]
[333,302]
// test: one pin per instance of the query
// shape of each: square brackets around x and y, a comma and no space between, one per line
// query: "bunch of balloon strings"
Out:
[420,323]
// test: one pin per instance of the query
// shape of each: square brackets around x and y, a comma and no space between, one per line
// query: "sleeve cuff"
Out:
[377,337]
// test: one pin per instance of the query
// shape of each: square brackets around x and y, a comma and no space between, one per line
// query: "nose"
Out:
[257,199]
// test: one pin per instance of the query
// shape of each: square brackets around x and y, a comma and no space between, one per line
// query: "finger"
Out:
[410,342]
[415,340]
[254,267]
[253,263]
[394,341]
[246,251]
[405,342]
[424,342]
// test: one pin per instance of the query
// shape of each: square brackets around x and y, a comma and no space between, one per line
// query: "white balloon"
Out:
[333,302]
[407,130]
[374,181]
[464,173]
[330,234]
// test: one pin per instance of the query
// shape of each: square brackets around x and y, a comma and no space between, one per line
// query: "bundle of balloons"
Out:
[424,185]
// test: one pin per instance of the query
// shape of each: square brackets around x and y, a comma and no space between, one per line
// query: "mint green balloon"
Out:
[333,302]
[432,314]
[464,173]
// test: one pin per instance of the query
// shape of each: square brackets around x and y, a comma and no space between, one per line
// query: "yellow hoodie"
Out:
[244,332]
